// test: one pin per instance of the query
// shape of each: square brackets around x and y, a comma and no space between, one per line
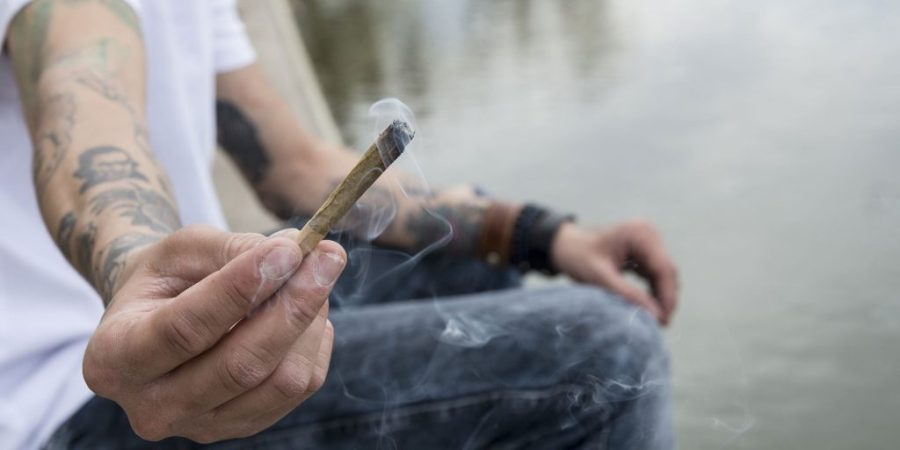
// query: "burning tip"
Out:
[393,141]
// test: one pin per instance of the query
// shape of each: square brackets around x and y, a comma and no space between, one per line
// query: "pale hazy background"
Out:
[761,136]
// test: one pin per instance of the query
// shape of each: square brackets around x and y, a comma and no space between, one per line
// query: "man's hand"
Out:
[600,257]
[215,335]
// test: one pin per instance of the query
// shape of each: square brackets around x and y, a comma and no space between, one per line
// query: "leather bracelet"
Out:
[496,233]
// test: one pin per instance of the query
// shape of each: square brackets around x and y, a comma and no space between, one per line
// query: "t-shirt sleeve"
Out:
[9,9]
[232,46]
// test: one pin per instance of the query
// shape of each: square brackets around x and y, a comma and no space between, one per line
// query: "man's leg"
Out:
[552,368]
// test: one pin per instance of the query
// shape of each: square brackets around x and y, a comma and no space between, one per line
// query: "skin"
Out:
[207,334]
[214,335]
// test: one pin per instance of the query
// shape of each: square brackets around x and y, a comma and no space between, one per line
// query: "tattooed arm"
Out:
[101,193]
[292,172]
[175,348]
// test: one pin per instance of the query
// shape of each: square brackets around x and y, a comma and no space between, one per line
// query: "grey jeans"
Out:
[436,354]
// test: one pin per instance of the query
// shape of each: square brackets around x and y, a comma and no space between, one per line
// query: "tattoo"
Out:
[31,29]
[102,85]
[166,186]
[103,55]
[54,138]
[459,223]
[113,257]
[43,11]
[104,164]
[124,13]
[144,207]
[52,117]
[84,250]
[238,136]
[64,234]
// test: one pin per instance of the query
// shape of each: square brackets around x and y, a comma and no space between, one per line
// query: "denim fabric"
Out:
[422,360]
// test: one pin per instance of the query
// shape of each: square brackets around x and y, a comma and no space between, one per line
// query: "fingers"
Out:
[618,284]
[196,319]
[250,353]
[663,278]
[655,265]
[300,374]
[196,251]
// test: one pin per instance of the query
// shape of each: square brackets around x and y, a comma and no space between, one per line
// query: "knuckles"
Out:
[181,334]
[237,243]
[316,382]
[241,290]
[205,435]
[641,228]
[219,432]
[296,379]
[98,378]
[102,369]
[301,311]
[149,428]
[243,370]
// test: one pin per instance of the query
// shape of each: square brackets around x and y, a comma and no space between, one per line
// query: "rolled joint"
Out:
[393,141]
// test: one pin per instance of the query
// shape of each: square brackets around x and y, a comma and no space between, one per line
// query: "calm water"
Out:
[762,136]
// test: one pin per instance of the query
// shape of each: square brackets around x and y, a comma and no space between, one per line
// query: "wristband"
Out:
[542,236]
[532,240]
[496,233]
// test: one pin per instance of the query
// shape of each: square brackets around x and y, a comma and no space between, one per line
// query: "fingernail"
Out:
[279,262]
[328,269]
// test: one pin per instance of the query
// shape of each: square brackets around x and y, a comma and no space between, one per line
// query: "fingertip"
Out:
[652,307]
[278,258]
[329,264]
[656,312]
[327,246]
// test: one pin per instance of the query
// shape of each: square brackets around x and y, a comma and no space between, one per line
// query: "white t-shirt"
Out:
[47,311]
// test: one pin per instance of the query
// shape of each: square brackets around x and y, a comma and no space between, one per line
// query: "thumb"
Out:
[198,317]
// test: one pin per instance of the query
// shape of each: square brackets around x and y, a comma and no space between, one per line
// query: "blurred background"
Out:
[761,137]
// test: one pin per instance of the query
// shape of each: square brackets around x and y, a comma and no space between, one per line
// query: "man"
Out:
[189,334]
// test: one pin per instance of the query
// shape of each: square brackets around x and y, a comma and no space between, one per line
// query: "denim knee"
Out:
[613,345]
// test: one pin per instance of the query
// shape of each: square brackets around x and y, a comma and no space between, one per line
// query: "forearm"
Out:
[292,172]
[80,70]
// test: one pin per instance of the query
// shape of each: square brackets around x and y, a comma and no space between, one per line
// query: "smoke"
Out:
[466,330]
[377,210]
[371,215]
[478,344]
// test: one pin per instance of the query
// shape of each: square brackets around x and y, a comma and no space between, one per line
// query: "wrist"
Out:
[569,239]
[521,236]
